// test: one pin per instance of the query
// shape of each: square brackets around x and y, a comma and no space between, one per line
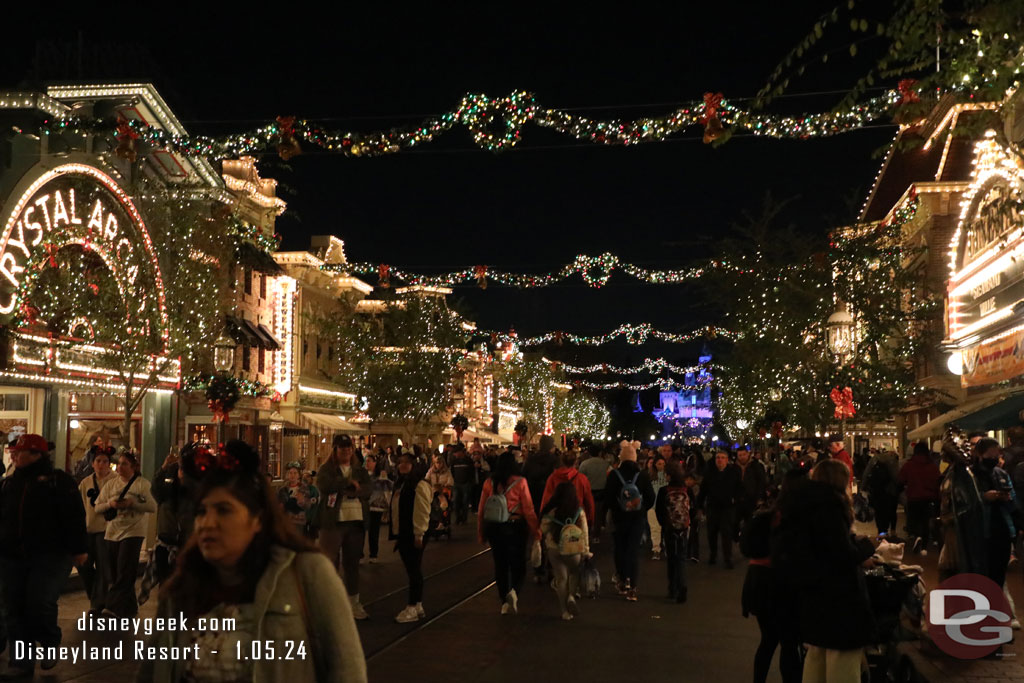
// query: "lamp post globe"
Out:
[224,353]
[840,332]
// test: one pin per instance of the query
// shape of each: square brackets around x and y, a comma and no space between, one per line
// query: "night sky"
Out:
[449,205]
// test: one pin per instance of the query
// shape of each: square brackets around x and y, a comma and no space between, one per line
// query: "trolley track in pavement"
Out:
[445,590]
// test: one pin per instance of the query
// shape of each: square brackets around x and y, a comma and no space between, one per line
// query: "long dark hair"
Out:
[195,586]
[564,502]
[505,468]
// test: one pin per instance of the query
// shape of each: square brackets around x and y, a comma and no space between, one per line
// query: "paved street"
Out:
[707,637]
[465,638]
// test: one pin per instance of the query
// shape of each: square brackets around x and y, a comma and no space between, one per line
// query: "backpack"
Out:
[570,539]
[879,480]
[590,579]
[677,505]
[496,506]
[630,498]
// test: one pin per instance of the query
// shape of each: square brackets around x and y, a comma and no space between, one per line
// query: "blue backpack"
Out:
[630,498]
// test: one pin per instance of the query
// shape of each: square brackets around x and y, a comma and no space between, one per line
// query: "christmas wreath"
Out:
[222,394]
[460,423]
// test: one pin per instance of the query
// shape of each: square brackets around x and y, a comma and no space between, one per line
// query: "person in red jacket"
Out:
[837,451]
[920,477]
[568,473]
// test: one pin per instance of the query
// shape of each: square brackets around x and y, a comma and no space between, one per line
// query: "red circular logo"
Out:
[969,616]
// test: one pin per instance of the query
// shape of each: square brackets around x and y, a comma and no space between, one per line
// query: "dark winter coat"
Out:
[628,469]
[720,489]
[333,484]
[41,512]
[814,551]
[176,507]
[537,468]
[755,482]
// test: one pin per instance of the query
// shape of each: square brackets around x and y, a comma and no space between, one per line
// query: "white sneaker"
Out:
[1015,624]
[505,608]
[572,607]
[373,560]
[512,600]
[419,610]
[358,611]
[566,616]
[923,553]
[408,615]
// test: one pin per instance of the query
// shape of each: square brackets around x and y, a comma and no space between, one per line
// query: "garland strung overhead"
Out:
[495,123]
[595,271]
[634,334]
[649,365]
[663,383]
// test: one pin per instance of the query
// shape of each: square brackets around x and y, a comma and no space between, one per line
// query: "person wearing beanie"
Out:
[625,484]
[920,477]
[42,533]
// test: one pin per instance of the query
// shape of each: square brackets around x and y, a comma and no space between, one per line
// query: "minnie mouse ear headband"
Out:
[235,457]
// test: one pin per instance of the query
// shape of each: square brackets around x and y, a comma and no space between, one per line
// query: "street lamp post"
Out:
[841,342]
[224,362]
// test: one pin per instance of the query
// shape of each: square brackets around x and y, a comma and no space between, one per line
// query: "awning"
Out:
[263,340]
[269,336]
[241,332]
[1002,415]
[938,425]
[335,423]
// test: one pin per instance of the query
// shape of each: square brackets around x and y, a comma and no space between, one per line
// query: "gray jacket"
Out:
[336,651]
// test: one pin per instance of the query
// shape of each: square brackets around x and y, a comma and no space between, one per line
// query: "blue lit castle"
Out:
[689,414]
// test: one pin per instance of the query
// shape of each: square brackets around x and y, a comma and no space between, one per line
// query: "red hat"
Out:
[31,442]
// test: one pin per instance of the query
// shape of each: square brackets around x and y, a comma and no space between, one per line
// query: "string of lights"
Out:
[634,334]
[663,383]
[495,124]
[649,365]
[595,271]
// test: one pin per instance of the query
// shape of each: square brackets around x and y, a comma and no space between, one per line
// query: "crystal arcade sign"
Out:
[77,204]
[986,284]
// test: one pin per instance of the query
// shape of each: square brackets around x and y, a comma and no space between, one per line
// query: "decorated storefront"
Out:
[985,294]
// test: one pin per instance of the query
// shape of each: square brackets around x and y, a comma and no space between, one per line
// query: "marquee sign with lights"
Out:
[986,282]
[78,206]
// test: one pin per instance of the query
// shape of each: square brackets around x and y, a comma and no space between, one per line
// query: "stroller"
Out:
[441,514]
[897,600]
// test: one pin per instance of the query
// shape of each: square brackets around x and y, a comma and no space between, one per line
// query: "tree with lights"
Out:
[581,415]
[529,383]
[781,369]
[969,50]
[401,360]
[79,300]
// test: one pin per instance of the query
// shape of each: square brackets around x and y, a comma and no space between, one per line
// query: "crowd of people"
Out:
[229,544]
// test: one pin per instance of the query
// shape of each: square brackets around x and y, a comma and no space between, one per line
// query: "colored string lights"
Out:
[495,124]
[649,365]
[634,334]
[595,271]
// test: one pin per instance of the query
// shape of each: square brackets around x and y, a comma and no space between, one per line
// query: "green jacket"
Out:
[334,655]
[330,481]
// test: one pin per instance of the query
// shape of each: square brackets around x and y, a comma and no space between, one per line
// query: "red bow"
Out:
[712,101]
[908,95]
[287,145]
[383,272]
[126,137]
[480,273]
[843,399]
[220,414]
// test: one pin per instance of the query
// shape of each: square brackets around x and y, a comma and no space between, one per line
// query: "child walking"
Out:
[563,526]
